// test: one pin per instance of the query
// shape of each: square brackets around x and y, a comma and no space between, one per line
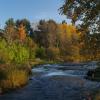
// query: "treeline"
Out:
[16,46]
[21,45]
[64,42]
[57,41]
[51,41]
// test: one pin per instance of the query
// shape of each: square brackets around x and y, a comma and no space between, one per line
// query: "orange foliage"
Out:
[22,32]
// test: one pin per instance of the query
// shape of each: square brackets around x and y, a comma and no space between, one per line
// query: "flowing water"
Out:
[57,82]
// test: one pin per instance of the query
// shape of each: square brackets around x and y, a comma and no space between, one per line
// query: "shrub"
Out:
[40,52]
[53,53]
[32,46]
[13,52]
[21,54]
[12,77]
[3,51]
[2,74]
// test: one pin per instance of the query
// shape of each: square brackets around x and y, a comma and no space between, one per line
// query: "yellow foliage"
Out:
[68,31]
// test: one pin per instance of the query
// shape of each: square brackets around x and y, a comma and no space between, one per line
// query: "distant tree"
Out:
[52,33]
[69,41]
[26,24]
[10,29]
[22,32]
[53,53]
[41,36]
[46,35]
[60,38]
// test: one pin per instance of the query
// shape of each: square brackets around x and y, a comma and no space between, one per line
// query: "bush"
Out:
[40,52]
[12,77]
[21,54]
[13,52]
[53,53]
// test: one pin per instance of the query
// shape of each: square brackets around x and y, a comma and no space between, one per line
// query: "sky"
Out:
[34,10]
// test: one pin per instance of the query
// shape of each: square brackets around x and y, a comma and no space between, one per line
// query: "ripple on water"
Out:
[75,77]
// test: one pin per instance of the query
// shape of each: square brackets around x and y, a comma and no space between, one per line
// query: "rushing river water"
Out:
[57,82]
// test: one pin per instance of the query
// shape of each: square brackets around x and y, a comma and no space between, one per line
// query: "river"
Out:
[57,82]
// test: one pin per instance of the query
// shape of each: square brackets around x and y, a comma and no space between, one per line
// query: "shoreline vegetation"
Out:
[23,48]
[94,75]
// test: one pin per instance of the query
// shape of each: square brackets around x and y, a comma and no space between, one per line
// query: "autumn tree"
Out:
[10,29]
[26,24]
[88,12]
[69,41]
[22,32]
[90,48]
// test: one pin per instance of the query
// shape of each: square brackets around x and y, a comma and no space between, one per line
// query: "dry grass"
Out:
[12,77]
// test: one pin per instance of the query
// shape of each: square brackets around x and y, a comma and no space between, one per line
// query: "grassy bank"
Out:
[12,77]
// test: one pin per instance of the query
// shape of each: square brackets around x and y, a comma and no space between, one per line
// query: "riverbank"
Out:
[94,74]
[15,76]
[56,82]
[75,72]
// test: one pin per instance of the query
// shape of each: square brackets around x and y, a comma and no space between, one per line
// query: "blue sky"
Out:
[33,10]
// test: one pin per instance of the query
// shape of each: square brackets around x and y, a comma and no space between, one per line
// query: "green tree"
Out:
[26,24]
[87,11]
[46,36]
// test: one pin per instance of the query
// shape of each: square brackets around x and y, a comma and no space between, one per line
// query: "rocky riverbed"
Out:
[57,82]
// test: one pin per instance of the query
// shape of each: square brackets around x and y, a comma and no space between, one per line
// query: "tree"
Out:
[42,35]
[22,32]
[87,11]
[52,33]
[26,24]
[58,40]
[46,35]
[53,53]
[90,49]
[10,29]
[69,41]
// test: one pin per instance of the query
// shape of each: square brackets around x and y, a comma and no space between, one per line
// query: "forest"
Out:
[51,41]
